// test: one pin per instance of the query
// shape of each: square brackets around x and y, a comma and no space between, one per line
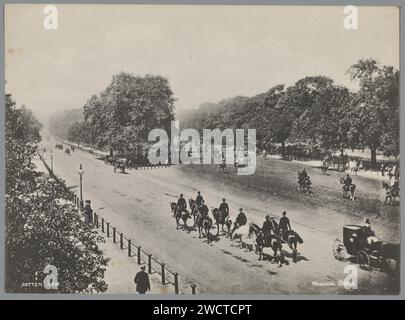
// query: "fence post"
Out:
[97,224]
[121,241]
[94,218]
[149,263]
[114,235]
[176,283]
[108,229]
[163,274]
[139,255]
[193,286]
[102,225]
[129,247]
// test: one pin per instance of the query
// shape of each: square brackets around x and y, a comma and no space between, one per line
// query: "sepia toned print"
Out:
[177,149]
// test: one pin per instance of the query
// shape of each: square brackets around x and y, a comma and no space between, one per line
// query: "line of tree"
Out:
[317,112]
[43,228]
[121,117]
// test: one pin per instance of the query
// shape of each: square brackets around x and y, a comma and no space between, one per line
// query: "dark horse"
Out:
[267,241]
[204,224]
[222,219]
[290,237]
[180,213]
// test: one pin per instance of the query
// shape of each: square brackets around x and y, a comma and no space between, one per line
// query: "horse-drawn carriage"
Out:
[118,163]
[356,247]
[59,146]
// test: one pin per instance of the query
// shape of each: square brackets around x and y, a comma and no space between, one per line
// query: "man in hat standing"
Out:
[88,212]
[142,281]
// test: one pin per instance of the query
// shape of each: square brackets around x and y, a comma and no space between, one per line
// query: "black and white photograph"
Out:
[202,149]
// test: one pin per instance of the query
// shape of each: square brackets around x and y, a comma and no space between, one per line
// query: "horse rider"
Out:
[267,226]
[284,224]
[181,203]
[199,199]
[240,220]
[203,212]
[224,208]
[347,183]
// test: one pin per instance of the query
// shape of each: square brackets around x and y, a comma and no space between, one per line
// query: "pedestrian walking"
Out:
[142,281]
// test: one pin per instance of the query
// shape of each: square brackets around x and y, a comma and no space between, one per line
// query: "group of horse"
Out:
[273,240]
[67,149]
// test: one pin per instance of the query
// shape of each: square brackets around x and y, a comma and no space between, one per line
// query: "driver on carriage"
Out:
[199,199]
[369,234]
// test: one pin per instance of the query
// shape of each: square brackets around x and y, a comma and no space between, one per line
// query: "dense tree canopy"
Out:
[121,117]
[316,111]
[42,226]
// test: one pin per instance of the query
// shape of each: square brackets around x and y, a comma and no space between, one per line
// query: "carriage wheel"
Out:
[339,250]
[363,259]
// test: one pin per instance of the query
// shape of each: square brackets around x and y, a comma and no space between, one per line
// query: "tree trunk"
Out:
[283,149]
[340,161]
[373,158]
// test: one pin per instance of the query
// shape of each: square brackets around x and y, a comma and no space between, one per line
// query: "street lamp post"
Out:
[51,161]
[81,172]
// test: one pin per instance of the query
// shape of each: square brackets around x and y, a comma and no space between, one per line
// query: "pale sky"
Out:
[208,53]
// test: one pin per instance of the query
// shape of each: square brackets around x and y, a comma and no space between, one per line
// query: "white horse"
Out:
[243,233]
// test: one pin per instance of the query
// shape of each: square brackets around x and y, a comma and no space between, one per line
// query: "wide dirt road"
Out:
[137,203]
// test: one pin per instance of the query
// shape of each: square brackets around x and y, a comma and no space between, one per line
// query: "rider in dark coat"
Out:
[199,199]
[241,218]
[203,209]
[348,181]
[267,226]
[284,222]
[224,208]
[181,203]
